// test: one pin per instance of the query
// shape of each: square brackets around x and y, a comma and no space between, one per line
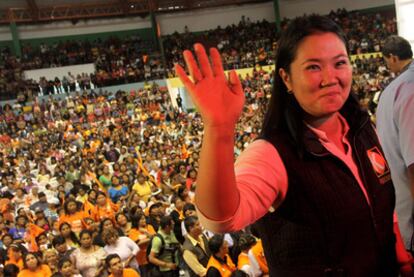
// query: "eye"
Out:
[313,67]
[341,63]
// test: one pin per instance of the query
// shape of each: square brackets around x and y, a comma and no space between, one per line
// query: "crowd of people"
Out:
[131,59]
[117,61]
[96,174]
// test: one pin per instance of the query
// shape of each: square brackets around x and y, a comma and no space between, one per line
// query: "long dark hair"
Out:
[284,113]
[72,234]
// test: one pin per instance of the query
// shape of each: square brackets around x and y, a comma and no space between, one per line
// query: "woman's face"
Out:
[19,193]
[67,269]
[101,200]
[51,257]
[42,240]
[107,225]
[92,195]
[320,76]
[31,262]
[7,241]
[121,220]
[136,198]
[65,230]
[86,240]
[112,240]
[72,207]
[142,222]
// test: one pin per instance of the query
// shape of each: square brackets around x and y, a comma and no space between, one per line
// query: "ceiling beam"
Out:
[113,8]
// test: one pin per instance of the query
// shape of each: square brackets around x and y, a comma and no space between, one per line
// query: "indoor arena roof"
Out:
[32,11]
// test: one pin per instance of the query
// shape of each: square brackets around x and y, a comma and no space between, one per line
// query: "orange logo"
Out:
[378,162]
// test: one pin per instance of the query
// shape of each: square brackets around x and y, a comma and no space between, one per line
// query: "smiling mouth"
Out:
[330,94]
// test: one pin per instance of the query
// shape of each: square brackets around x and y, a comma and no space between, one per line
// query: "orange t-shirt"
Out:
[18,263]
[75,220]
[136,235]
[42,271]
[128,272]
[258,253]
[108,211]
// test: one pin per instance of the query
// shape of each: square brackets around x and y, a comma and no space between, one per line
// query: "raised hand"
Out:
[219,100]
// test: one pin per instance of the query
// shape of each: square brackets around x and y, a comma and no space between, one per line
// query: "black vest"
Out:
[325,227]
[202,256]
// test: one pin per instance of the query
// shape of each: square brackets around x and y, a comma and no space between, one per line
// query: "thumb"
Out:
[235,83]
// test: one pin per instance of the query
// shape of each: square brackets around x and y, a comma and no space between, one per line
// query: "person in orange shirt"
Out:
[141,233]
[104,208]
[15,254]
[33,267]
[89,204]
[116,268]
[220,263]
[73,216]
[244,262]
[258,253]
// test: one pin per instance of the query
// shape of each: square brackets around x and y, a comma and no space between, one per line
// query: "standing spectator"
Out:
[116,268]
[117,192]
[126,248]
[104,208]
[88,258]
[196,253]
[59,243]
[179,101]
[66,232]
[51,259]
[220,263]
[163,253]
[41,204]
[73,216]
[141,233]
[33,267]
[395,115]
[244,262]
[66,269]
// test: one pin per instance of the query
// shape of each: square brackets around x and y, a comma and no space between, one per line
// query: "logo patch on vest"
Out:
[379,164]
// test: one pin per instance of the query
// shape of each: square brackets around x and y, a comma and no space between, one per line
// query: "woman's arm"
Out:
[220,102]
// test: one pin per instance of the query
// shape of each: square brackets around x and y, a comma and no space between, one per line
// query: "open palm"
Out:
[219,100]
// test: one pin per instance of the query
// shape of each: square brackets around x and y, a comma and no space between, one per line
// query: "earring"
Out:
[290,91]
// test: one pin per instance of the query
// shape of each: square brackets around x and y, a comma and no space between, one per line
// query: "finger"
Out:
[192,66]
[217,63]
[184,78]
[235,83]
[203,60]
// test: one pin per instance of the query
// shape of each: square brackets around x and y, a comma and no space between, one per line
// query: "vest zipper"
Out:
[374,223]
